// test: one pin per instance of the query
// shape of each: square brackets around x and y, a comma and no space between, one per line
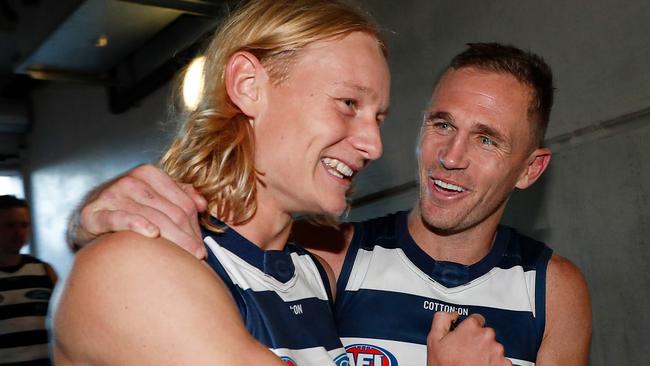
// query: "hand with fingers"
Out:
[470,343]
[144,200]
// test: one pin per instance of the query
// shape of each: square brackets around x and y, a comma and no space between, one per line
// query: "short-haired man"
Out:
[480,139]
[25,288]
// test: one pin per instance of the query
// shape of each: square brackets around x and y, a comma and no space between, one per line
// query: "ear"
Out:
[245,77]
[536,165]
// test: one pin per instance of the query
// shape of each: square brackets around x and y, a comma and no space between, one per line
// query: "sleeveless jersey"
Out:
[283,297]
[25,292]
[389,289]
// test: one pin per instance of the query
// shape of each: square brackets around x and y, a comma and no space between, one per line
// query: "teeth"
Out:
[339,169]
[449,186]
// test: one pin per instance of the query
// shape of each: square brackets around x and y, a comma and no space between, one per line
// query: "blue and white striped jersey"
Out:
[389,289]
[25,291]
[283,297]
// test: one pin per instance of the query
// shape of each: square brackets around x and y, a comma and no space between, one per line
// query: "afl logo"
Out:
[369,355]
[288,361]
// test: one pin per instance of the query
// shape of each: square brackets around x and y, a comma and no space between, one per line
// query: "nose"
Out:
[366,138]
[453,155]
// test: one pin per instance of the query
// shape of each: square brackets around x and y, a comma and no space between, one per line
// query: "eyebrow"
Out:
[363,90]
[357,87]
[490,131]
[439,115]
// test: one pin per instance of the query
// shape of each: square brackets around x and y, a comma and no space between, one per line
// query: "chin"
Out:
[438,220]
[334,208]
[336,211]
[443,227]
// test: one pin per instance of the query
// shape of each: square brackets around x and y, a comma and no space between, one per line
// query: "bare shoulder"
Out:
[114,280]
[567,334]
[132,250]
[135,300]
[564,278]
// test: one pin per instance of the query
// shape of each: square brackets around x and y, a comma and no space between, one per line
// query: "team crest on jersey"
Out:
[289,361]
[369,355]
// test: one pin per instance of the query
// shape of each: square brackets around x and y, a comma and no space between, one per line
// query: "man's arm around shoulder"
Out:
[567,334]
[136,300]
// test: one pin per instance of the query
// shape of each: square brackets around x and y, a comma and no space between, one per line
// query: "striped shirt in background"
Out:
[25,292]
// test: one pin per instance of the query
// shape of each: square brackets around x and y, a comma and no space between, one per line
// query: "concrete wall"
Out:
[75,145]
[592,206]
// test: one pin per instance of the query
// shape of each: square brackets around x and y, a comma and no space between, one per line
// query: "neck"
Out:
[466,246]
[268,229]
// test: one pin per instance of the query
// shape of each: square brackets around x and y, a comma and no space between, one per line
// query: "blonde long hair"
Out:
[214,149]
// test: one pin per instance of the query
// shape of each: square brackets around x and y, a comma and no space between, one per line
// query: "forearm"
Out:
[76,234]
[144,200]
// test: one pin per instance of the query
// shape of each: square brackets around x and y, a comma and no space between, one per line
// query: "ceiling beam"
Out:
[158,61]
[194,7]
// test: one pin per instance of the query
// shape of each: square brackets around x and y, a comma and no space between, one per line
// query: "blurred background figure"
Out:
[25,287]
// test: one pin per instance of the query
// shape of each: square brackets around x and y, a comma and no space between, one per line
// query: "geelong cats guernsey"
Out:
[283,298]
[389,289]
[25,292]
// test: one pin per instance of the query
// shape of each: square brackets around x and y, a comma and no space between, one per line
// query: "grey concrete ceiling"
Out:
[127,45]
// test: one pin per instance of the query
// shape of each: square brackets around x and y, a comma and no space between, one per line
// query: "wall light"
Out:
[102,41]
[193,83]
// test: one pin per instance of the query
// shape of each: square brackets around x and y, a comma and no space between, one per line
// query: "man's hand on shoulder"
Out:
[567,333]
[147,201]
[470,343]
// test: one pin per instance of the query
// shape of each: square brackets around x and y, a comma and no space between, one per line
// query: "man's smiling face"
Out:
[320,125]
[475,148]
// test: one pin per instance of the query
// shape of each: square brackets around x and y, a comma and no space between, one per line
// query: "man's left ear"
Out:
[537,162]
[245,77]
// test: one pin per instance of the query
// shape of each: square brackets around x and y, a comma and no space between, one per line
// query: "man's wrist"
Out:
[76,236]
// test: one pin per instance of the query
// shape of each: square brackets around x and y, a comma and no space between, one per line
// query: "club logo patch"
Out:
[369,355]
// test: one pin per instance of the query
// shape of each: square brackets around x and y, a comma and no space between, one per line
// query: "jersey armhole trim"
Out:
[540,292]
[350,256]
[324,278]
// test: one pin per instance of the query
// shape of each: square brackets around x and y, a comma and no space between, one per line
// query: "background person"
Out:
[25,288]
